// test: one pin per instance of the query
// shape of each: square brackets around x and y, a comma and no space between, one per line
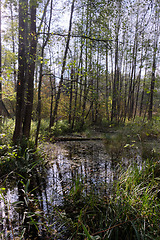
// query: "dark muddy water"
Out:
[91,162]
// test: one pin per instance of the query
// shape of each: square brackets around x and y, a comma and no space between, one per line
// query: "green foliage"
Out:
[16,159]
[60,128]
[79,128]
[140,129]
[7,129]
[43,132]
[19,158]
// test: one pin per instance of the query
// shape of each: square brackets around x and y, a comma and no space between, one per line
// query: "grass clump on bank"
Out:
[17,159]
[131,212]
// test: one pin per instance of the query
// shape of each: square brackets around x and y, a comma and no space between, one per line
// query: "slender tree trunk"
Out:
[116,81]
[85,89]
[107,85]
[139,79]
[81,68]
[71,96]
[63,68]
[53,86]
[125,91]
[143,91]
[152,87]
[13,46]
[112,71]
[76,88]
[131,99]
[121,80]
[115,93]
[81,86]
[97,89]
[52,92]
[39,99]
[45,41]
[150,111]
[75,102]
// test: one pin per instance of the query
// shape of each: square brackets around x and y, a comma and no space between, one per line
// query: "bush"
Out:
[61,127]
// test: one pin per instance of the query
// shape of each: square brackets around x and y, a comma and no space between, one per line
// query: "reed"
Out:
[131,212]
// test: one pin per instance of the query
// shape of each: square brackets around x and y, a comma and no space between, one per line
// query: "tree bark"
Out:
[31,68]
[21,71]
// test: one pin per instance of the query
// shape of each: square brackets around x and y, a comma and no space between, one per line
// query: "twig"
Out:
[114,226]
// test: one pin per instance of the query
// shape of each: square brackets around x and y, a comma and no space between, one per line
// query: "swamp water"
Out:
[33,200]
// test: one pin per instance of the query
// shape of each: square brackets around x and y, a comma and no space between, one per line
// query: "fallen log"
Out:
[64,139]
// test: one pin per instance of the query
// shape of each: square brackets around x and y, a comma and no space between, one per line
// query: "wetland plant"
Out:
[131,212]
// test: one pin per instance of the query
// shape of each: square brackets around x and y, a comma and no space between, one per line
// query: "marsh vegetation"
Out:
[104,189]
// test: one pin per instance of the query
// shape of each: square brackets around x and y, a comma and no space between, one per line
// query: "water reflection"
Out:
[90,162]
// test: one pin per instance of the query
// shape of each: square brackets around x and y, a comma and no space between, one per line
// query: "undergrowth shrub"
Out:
[18,160]
[43,131]
[7,129]
[61,127]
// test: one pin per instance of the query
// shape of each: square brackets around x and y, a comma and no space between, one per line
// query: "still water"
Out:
[92,163]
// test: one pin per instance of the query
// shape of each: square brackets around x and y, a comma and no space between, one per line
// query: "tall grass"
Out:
[132,211]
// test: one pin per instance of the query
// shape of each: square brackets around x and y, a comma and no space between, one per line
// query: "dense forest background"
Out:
[81,61]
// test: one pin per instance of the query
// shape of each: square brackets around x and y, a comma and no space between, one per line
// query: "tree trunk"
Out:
[76,88]
[0,71]
[131,100]
[139,79]
[143,91]
[116,81]
[13,46]
[63,68]
[31,68]
[21,71]
[107,85]
[45,41]
[53,92]
[97,89]
[156,37]
[71,96]
[85,91]
[152,87]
